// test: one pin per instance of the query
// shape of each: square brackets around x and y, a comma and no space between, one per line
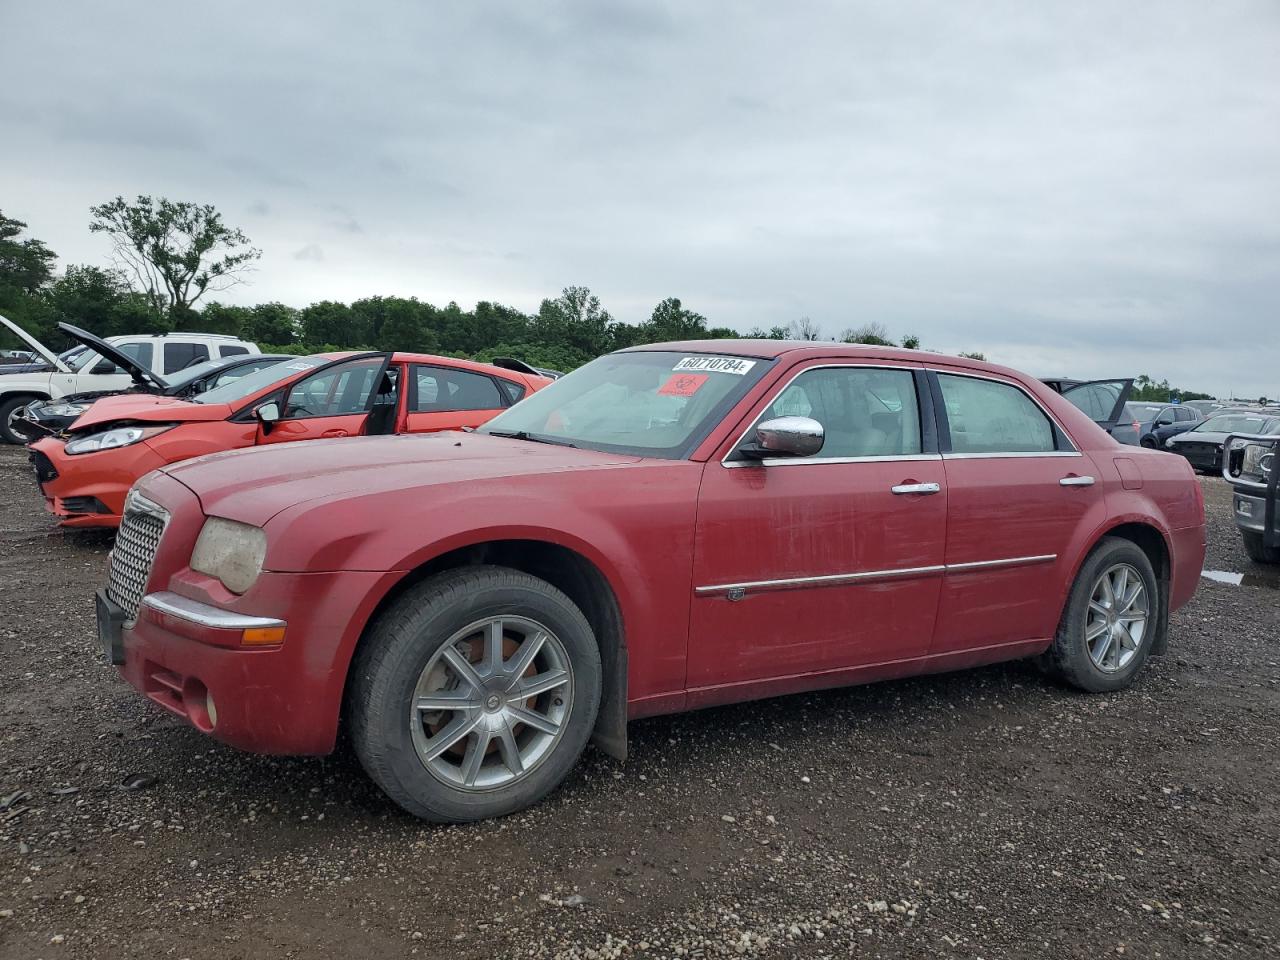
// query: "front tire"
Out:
[1257,548]
[474,694]
[1149,442]
[1111,618]
[10,409]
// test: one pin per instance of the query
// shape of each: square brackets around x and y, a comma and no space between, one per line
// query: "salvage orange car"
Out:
[86,473]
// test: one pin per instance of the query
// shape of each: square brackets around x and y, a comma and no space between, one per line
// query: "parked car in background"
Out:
[1250,466]
[88,369]
[17,356]
[43,418]
[1206,407]
[666,528]
[1151,424]
[1101,400]
[1202,444]
[86,472]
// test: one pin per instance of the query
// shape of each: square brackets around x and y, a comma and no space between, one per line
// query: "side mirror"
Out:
[268,414]
[785,437]
[105,366]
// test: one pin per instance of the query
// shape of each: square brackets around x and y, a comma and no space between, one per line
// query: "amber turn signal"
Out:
[262,637]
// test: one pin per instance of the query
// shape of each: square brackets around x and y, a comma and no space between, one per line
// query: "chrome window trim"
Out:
[976,375]
[1003,456]
[794,461]
[801,461]
[738,590]
[204,614]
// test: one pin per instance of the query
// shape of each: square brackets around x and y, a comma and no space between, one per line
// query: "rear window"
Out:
[233,350]
[1142,411]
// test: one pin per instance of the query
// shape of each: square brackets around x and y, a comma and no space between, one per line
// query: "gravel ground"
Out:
[980,814]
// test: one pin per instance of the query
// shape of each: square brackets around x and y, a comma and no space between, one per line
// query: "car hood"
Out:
[1202,436]
[140,374]
[25,368]
[148,407]
[49,357]
[254,485]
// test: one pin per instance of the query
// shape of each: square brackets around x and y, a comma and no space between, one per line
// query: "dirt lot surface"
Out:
[982,814]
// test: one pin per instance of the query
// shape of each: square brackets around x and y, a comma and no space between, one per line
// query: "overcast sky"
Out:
[1082,189]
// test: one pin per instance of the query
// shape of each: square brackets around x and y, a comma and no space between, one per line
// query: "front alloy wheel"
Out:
[473,694]
[491,703]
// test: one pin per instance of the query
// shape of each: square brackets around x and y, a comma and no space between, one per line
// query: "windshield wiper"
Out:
[531,437]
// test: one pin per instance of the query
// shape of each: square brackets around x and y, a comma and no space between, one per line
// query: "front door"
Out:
[1019,496]
[811,566]
[335,401]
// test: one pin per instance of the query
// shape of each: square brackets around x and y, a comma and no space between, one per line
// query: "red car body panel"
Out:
[204,428]
[347,522]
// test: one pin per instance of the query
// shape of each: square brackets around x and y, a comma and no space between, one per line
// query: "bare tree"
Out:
[175,252]
[803,329]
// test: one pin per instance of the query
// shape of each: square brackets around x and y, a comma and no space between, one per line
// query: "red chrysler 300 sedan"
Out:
[669,527]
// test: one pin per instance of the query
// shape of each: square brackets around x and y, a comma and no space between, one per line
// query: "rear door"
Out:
[1019,493]
[450,398]
[333,401]
[1102,400]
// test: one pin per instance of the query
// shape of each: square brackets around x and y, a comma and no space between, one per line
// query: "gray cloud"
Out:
[312,251]
[1083,189]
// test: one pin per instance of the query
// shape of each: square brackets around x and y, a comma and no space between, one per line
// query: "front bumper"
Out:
[89,490]
[184,655]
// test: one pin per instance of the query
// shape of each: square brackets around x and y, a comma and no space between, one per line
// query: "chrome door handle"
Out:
[917,488]
[1076,482]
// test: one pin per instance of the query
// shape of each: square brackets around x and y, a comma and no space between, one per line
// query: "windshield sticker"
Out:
[683,384]
[299,365]
[734,365]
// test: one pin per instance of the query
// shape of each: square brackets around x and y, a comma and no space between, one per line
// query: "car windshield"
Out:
[1234,423]
[250,384]
[646,403]
[1142,411]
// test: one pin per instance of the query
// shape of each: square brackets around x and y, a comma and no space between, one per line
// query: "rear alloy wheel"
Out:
[1110,623]
[474,694]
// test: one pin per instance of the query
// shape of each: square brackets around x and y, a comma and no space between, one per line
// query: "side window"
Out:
[335,391]
[990,417]
[141,352]
[231,350]
[442,390]
[1186,414]
[513,391]
[179,356]
[864,411]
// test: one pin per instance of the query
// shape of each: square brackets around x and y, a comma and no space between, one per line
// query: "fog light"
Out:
[262,637]
[210,709]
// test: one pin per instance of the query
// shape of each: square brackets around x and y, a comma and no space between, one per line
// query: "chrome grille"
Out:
[134,552]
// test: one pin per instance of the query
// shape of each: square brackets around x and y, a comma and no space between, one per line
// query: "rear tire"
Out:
[1257,549]
[444,662]
[11,407]
[1109,625]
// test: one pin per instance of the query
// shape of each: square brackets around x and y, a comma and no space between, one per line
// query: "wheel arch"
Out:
[565,569]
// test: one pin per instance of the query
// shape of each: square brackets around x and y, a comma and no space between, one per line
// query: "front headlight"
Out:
[230,551]
[64,409]
[1169,444]
[115,437]
[1257,458]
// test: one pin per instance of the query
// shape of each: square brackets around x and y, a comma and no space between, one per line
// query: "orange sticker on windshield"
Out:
[682,385]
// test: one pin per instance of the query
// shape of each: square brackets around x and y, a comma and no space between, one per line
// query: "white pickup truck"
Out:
[117,363]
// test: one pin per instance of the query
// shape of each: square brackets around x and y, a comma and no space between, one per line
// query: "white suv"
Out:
[113,364]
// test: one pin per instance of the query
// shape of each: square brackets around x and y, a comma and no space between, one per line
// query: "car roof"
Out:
[489,368]
[799,349]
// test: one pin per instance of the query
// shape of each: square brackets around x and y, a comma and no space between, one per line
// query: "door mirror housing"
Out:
[785,437]
[268,414]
